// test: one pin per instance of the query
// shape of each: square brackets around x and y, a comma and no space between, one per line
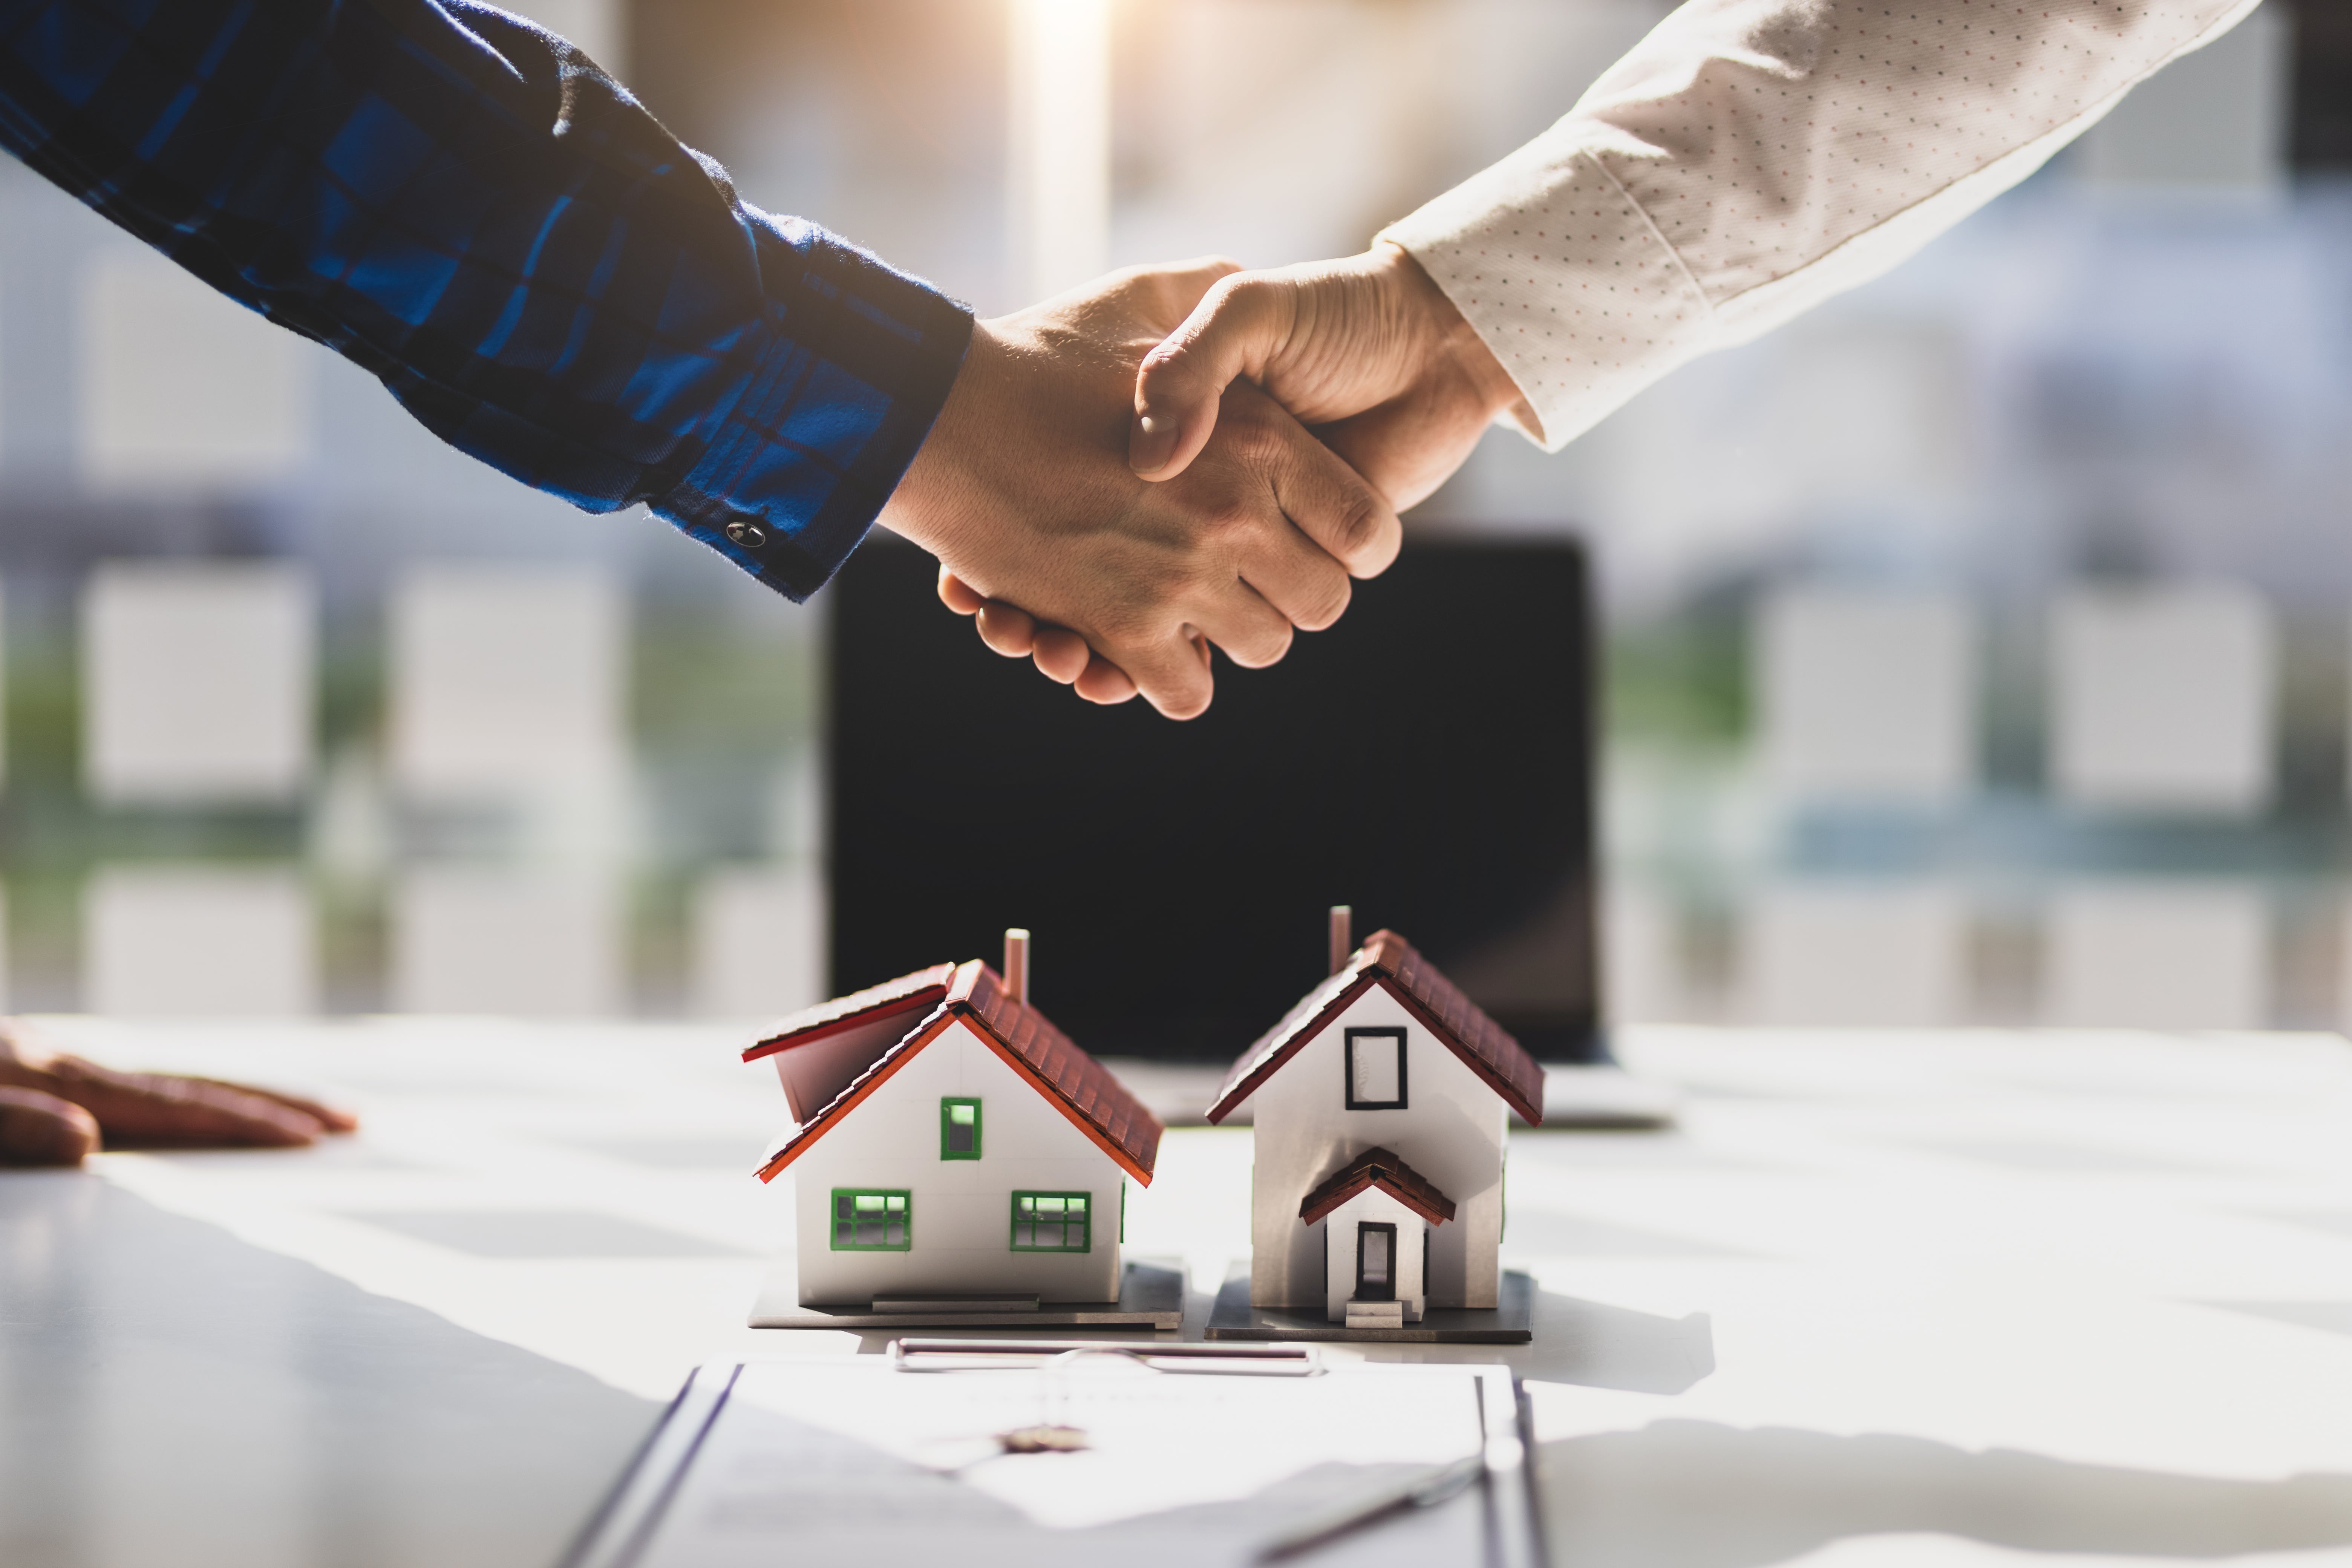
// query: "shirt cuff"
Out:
[1565,280]
[855,362]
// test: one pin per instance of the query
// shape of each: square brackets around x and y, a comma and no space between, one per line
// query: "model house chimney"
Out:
[1016,964]
[1343,938]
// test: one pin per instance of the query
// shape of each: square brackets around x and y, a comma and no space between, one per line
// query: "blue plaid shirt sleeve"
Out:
[466,206]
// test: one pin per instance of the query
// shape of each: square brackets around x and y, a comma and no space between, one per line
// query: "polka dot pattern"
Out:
[1746,143]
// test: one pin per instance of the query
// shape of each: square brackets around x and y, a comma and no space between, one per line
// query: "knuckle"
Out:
[1358,529]
[1327,601]
[1263,647]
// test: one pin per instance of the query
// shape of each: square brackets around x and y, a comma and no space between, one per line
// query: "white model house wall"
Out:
[961,1228]
[1451,1131]
[1415,1237]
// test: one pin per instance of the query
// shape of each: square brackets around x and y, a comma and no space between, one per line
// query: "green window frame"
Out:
[1052,1221]
[959,1129]
[873,1219]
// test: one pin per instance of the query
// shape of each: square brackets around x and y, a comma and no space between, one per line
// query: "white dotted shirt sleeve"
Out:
[1751,158]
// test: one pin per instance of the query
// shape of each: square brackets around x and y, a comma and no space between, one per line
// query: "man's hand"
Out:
[1024,494]
[1366,349]
[57,1110]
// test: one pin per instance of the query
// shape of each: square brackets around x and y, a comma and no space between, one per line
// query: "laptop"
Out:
[1429,760]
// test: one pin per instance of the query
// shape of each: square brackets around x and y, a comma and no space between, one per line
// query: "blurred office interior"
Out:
[1978,647]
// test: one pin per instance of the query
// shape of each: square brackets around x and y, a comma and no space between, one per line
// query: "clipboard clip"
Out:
[1031,1355]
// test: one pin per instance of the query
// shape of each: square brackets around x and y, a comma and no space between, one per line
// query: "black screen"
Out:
[1428,760]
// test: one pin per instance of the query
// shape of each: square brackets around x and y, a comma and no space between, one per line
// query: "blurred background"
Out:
[1978,648]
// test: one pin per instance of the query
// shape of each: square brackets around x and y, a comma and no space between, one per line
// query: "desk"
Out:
[1944,1299]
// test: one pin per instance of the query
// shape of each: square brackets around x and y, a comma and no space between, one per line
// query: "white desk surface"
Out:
[1881,1299]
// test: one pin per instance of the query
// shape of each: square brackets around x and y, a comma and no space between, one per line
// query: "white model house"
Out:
[1380,1106]
[952,1142]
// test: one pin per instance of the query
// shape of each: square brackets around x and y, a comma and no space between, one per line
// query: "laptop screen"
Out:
[1428,761]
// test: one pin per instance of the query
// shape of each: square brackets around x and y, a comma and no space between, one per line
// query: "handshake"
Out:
[1179,455]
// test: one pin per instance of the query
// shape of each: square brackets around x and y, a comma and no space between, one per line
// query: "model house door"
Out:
[1375,1262]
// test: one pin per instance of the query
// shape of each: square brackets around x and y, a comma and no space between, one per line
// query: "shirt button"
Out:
[750,535]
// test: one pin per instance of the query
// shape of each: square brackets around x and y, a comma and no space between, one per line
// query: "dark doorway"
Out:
[1375,1262]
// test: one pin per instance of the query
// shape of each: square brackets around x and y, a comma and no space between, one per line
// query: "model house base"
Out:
[1511,1321]
[1151,1297]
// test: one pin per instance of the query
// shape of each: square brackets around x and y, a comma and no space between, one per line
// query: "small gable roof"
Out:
[925,988]
[1379,1168]
[1389,961]
[1081,1088]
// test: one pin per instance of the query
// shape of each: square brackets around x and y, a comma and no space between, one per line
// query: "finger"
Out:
[1331,502]
[333,1118]
[1062,654]
[1105,682]
[139,1110]
[960,595]
[1009,631]
[1253,633]
[1171,673]
[1298,577]
[39,1129]
[1233,332]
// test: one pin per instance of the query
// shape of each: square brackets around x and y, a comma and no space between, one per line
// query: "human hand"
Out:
[1367,350]
[57,1110]
[1023,493]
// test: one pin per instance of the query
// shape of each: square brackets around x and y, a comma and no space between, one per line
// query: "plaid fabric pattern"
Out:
[466,206]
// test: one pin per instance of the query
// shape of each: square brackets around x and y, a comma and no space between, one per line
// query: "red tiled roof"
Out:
[1379,1168]
[924,988]
[1390,962]
[1097,1104]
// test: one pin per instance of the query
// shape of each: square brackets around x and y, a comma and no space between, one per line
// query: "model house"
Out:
[1380,1106]
[953,1143]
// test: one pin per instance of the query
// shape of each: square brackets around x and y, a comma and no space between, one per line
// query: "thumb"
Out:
[1235,330]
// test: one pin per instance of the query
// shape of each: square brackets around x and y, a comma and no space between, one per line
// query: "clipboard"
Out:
[858,1460]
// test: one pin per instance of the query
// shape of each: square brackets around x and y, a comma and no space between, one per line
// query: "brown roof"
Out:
[1390,962]
[1379,1168]
[924,988]
[1097,1104]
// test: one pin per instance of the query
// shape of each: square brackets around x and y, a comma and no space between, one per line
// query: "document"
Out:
[1098,1461]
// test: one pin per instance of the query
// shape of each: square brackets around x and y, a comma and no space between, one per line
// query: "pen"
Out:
[1424,1490]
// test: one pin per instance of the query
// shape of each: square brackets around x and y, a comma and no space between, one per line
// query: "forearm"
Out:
[469,209]
[1744,164]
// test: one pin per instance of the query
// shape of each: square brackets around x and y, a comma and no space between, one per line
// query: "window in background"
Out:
[1867,695]
[524,940]
[2163,699]
[758,941]
[2157,955]
[197,682]
[198,941]
[182,389]
[1857,955]
[507,681]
